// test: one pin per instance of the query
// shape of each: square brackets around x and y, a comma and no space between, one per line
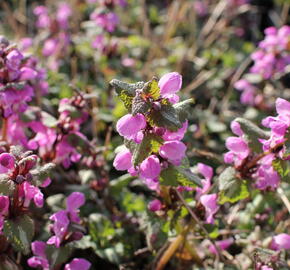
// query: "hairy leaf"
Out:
[175,176]
[231,188]
[152,89]
[183,109]
[7,186]
[281,167]
[150,144]
[165,117]
[252,134]
[19,233]
[139,105]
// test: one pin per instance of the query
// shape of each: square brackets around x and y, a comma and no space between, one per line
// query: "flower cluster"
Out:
[55,26]
[20,79]
[65,229]
[106,21]
[260,166]
[270,59]
[17,171]
[132,127]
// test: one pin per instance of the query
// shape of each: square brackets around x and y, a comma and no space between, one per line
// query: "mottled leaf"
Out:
[152,89]
[19,232]
[231,188]
[150,144]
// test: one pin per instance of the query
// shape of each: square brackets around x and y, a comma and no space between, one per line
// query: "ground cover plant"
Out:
[144,134]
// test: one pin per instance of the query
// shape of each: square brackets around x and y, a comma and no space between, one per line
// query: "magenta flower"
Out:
[170,83]
[27,73]
[7,162]
[207,173]
[128,126]
[150,168]
[78,264]
[63,13]
[122,161]
[155,205]
[209,201]
[73,203]
[175,135]
[39,259]
[29,192]
[49,47]
[60,227]
[4,205]
[239,150]
[281,241]
[223,245]
[174,151]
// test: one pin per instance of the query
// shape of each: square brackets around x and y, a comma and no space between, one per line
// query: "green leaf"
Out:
[183,109]
[57,256]
[252,134]
[281,167]
[41,173]
[165,117]
[231,188]
[129,88]
[19,233]
[150,144]
[7,186]
[152,89]
[175,176]
[127,99]
[140,105]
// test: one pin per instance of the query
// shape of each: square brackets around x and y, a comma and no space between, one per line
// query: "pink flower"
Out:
[29,192]
[129,125]
[27,73]
[176,135]
[49,47]
[174,151]
[73,203]
[281,241]
[207,173]
[78,264]
[60,227]
[155,205]
[209,201]
[63,13]
[239,150]
[170,83]
[150,168]
[223,245]
[7,162]
[4,205]
[40,259]
[122,161]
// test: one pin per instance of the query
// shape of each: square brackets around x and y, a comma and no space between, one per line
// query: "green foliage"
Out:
[150,144]
[183,109]
[140,105]
[252,134]
[7,186]
[281,167]
[41,173]
[58,256]
[19,232]
[152,89]
[231,188]
[175,176]
[166,117]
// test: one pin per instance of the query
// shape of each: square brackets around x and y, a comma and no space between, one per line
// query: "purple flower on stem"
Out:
[170,83]
[39,259]
[150,168]
[122,161]
[174,151]
[7,162]
[78,264]
[209,201]
[129,125]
